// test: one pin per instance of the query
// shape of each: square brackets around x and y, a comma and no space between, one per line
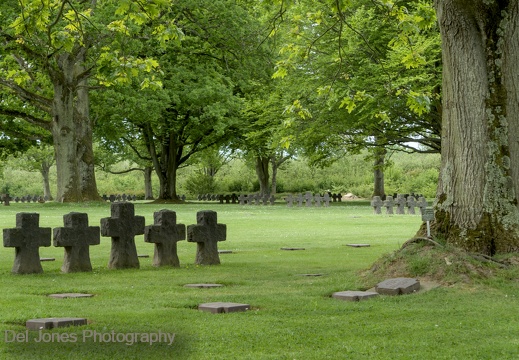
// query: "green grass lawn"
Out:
[292,316]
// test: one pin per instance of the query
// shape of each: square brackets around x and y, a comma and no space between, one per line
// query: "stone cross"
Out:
[299,200]
[318,199]
[76,237]
[206,233]
[400,202]
[422,204]
[242,198]
[389,203]
[308,197]
[6,198]
[122,227]
[265,199]
[165,233]
[289,200]
[377,203]
[411,204]
[27,238]
[272,199]
[326,199]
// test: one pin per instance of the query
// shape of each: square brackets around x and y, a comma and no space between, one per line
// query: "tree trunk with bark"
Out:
[262,171]
[72,133]
[165,162]
[148,190]
[476,204]
[378,172]
[45,170]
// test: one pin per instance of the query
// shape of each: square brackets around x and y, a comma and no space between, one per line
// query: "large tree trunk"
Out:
[262,171]
[476,205]
[72,134]
[165,163]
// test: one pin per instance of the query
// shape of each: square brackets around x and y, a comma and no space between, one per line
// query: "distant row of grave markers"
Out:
[401,203]
[123,225]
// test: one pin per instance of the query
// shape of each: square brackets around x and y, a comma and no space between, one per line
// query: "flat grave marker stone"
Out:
[70,295]
[398,286]
[51,323]
[47,259]
[354,295]
[223,307]
[292,248]
[358,245]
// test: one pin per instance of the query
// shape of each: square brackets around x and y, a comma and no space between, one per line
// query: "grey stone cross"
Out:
[76,237]
[122,227]
[377,203]
[206,233]
[308,197]
[27,238]
[165,233]
[400,204]
[411,204]
[389,203]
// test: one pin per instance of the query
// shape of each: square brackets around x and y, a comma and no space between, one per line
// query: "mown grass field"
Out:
[292,316]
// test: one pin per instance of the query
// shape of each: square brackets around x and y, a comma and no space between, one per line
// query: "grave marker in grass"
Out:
[389,203]
[122,227]
[207,233]
[27,238]
[70,295]
[354,295]
[398,286]
[411,204]
[51,323]
[223,307]
[76,237]
[165,233]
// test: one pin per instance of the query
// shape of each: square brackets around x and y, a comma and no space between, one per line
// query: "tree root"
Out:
[420,239]
[488,259]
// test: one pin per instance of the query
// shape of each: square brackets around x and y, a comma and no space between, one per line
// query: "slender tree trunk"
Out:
[262,171]
[45,169]
[148,190]
[274,184]
[476,204]
[378,172]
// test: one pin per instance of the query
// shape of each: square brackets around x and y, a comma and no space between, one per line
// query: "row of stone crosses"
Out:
[401,202]
[6,199]
[123,197]
[310,199]
[255,199]
[123,225]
